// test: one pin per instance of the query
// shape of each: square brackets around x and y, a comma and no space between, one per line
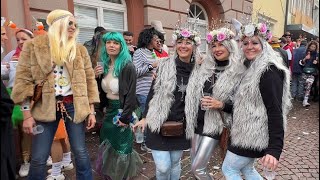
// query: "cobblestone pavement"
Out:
[300,159]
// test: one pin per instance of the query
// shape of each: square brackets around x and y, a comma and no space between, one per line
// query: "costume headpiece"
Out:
[56,15]
[219,31]
[187,30]
[249,28]
[40,28]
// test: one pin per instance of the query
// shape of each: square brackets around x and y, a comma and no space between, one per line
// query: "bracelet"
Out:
[25,108]
[28,118]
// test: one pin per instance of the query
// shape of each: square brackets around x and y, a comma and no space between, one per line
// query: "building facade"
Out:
[123,15]
[271,11]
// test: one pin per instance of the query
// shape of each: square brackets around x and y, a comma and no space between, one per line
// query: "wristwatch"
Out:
[150,67]
[93,113]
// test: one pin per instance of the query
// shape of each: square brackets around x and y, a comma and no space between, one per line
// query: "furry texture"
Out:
[249,129]
[163,98]
[35,63]
[222,90]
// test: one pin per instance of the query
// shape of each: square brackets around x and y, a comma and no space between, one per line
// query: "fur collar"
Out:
[163,98]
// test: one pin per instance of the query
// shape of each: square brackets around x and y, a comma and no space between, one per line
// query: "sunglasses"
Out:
[71,23]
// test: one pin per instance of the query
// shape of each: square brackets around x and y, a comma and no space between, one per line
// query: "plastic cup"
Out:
[4,69]
[99,63]
[205,94]
[38,129]
[269,174]
[139,135]
[13,64]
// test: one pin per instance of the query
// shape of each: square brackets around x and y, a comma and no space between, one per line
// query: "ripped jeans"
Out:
[233,165]
[168,166]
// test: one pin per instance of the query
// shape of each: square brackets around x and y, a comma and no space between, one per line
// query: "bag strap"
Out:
[43,81]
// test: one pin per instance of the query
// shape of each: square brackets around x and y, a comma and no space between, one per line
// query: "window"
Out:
[110,14]
[198,15]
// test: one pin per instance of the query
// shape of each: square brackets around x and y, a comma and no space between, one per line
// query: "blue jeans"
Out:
[168,165]
[297,86]
[142,100]
[233,165]
[41,146]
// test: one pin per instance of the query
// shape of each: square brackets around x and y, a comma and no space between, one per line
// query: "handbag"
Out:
[309,70]
[37,93]
[172,129]
[224,138]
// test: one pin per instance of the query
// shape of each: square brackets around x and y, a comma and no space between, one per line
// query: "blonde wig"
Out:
[63,49]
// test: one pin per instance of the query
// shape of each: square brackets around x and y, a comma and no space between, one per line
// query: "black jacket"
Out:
[8,168]
[127,92]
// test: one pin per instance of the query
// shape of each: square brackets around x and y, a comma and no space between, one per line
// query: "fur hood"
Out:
[34,66]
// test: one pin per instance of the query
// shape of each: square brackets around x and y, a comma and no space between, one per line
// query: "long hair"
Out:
[123,57]
[313,42]
[62,48]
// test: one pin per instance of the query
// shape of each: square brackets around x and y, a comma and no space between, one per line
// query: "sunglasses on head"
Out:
[72,23]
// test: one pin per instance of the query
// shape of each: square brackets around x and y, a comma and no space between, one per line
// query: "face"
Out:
[184,49]
[72,27]
[4,36]
[113,48]
[219,51]
[21,38]
[251,47]
[154,42]
[128,39]
[312,47]
[288,38]
[158,46]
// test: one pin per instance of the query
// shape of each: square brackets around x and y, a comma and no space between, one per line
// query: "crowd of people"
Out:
[236,96]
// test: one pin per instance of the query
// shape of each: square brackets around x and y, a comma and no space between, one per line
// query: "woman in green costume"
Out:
[117,86]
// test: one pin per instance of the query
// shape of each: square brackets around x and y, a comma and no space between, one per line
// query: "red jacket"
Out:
[161,54]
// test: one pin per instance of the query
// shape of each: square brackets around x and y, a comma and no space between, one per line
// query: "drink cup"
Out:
[269,174]
[4,69]
[203,95]
[99,63]
[37,129]
[139,135]
[13,64]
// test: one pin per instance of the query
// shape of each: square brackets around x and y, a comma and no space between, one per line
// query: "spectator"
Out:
[157,25]
[288,46]
[68,93]
[297,83]
[22,35]
[128,37]
[117,159]
[146,63]
[283,44]
[166,104]
[309,70]
[275,44]
[160,52]
[258,132]
[8,158]
[92,45]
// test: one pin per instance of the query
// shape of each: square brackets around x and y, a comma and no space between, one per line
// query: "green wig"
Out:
[123,57]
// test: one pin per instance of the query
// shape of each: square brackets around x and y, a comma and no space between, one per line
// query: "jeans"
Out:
[297,86]
[233,165]
[142,100]
[168,165]
[41,146]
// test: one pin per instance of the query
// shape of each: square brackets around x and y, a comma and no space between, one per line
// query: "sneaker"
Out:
[65,167]
[305,103]
[60,177]
[24,169]
[186,150]
[145,148]
[49,161]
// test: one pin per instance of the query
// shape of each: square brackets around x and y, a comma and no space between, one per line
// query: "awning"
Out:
[297,29]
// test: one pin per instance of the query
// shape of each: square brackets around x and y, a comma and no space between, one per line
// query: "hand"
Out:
[98,70]
[315,62]
[142,124]
[91,121]
[131,49]
[308,56]
[155,64]
[210,102]
[269,162]
[28,124]
[121,124]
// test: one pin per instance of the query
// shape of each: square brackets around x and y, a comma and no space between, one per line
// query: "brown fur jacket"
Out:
[34,65]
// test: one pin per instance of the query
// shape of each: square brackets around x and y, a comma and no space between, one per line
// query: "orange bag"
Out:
[61,132]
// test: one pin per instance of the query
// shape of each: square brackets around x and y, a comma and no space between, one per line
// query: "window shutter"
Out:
[113,20]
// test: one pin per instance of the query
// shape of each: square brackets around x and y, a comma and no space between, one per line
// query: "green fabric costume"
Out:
[17,115]
[116,157]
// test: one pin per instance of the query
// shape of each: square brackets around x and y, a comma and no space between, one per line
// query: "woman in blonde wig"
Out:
[69,92]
